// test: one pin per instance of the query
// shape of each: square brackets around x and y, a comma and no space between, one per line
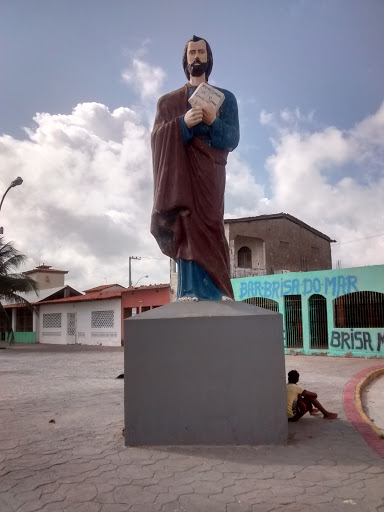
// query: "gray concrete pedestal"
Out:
[208,373]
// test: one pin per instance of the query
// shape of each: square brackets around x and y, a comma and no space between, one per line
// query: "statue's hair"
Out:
[293,377]
[209,56]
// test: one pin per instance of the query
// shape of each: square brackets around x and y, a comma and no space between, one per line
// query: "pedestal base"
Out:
[209,373]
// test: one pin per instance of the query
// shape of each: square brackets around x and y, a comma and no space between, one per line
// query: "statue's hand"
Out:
[193,117]
[209,115]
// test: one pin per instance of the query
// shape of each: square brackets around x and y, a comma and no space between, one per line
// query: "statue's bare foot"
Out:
[225,297]
[188,299]
[185,213]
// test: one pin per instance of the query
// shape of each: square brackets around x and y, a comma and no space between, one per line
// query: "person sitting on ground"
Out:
[300,401]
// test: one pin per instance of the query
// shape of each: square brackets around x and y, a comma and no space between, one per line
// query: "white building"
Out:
[90,319]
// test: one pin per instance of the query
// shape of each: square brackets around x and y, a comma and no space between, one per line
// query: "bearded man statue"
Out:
[190,146]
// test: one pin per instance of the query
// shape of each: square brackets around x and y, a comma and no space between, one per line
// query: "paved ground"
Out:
[79,463]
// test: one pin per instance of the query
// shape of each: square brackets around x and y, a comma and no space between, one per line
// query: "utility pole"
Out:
[130,271]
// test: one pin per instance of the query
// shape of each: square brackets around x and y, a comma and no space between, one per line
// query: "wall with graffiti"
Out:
[337,312]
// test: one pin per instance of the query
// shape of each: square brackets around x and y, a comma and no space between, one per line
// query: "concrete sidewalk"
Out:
[78,461]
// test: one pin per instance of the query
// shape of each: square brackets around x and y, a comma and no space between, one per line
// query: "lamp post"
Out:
[130,271]
[142,277]
[17,181]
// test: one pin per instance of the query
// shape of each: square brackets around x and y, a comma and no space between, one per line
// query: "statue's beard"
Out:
[197,68]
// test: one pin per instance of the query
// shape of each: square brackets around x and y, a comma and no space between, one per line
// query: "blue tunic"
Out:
[224,133]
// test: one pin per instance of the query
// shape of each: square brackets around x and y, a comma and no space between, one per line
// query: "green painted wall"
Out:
[25,337]
[362,342]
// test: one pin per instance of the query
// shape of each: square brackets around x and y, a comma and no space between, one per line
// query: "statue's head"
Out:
[197,58]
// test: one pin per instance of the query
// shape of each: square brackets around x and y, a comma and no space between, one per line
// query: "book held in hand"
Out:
[206,94]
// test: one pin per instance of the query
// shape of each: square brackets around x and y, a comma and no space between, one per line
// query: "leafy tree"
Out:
[12,283]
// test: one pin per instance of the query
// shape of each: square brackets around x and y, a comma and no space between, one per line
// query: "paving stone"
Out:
[181,489]
[103,488]
[224,497]
[286,491]
[132,495]
[241,487]
[57,497]
[148,507]
[239,507]
[316,490]
[113,507]
[20,498]
[29,506]
[134,472]
[154,488]
[264,507]
[209,476]
[89,506]
[81,463]
[197,503]
[375,470]
[52,507]
[79,492]
[33,482]
[323,498]
[285,475]
[255,496]
[105,497]
[174,506]
[6,483]
[167,497]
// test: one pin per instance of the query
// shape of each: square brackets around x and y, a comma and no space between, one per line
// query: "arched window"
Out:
[318,322]
[244,257]
[359,309]
[261,302]
[293,321]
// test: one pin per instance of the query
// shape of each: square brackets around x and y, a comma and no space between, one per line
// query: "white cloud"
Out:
[286,120]
[147,80]
[244,197]
[305,179]
[87,194]
[86,199]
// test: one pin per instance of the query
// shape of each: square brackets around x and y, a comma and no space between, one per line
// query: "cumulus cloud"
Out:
[244,196]
[86,199]
[147,80]
[306,182]
[286,120]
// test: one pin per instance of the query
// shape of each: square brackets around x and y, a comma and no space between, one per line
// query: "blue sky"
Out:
[308,77]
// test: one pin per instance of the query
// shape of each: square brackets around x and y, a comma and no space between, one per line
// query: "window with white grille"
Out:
[103,319]
[71,324]
[52,321]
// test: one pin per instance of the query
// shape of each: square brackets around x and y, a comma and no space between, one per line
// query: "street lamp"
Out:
[130,271]
[17,181]
[142,277]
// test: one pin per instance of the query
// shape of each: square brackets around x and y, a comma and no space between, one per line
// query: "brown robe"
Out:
[188,177]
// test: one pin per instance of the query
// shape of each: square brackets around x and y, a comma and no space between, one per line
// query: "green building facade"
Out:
[336,312]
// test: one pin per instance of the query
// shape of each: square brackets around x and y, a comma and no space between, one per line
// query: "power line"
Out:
[359,239]
[149,258]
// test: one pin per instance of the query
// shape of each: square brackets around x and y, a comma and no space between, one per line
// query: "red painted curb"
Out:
[353,414]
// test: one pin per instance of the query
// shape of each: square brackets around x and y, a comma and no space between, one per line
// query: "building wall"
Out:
[102,333]
[48,279]
[147,297]
[142,299]
[287,245]
[325,287]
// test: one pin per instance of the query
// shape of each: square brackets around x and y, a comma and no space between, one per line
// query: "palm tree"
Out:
[11,284]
